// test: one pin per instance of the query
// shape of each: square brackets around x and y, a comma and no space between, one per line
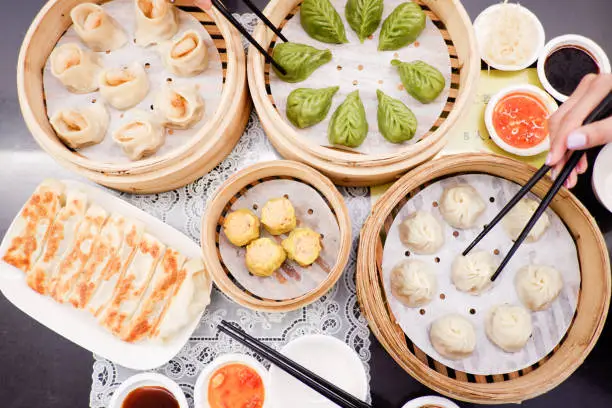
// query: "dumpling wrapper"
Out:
[180,107]
[32,226]
[81,127]
[140,135]
[73,263]
[96,28]
[156,21]
[76,69]
[62,234]
[132,285]
[124,88]
[186,55]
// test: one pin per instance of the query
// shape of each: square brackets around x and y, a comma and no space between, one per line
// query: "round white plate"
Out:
[602,177]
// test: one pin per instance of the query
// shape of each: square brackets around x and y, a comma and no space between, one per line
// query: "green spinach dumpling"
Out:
[322,22]
[396,121]
[299,60]
[348,126]
[402,27]
[306,107]
[364,16]
[422,81]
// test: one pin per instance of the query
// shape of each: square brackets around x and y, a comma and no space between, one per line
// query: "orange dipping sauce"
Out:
[235,386]
[520,120]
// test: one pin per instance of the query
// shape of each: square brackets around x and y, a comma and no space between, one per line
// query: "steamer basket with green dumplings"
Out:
[368,93]
[504,341]
[143,56]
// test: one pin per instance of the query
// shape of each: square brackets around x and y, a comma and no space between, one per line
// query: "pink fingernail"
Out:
[576,140]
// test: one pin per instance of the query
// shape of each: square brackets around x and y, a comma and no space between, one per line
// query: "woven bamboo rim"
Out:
[514,387]
[237,185]
[215,140]
[349,168]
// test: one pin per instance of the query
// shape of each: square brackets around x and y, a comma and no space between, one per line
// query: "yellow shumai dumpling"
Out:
[264,257]
[241,227]
[278,216]
[303,246]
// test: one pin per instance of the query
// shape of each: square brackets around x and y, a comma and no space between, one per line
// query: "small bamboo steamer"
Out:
[356,169]
[514,387]
[181,166]
[237,185]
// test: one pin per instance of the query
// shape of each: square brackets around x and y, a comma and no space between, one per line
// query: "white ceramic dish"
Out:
[550,103]
[144,380]
[79,326]
[570,39]
[482,26]
[200,396]
[326,356]
[601,179]
[430,400]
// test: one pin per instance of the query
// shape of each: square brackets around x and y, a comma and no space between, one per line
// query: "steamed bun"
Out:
[413,283]
[508,327]
[538,286]
[453,336]
[461,206]
[421,232]
[472,273]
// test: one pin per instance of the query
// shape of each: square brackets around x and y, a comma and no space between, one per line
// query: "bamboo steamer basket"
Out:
[181,166]
[513,387]
[356,169]
[236,186]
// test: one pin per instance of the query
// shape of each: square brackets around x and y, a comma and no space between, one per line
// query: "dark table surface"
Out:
[40,369]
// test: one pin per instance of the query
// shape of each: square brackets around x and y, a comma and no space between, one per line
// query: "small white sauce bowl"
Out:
[482,27]
[570,40]
[430,400]
[549,102]
[147,380]
[200,395]
[601,180]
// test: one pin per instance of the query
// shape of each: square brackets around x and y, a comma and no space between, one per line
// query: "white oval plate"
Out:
[79,326]
[144,380]
[432,400]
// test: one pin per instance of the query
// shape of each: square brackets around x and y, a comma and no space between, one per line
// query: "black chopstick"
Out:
[322,386]
[263,18]
[228,15]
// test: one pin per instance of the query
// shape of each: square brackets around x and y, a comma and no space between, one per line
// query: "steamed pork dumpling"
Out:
[538,286]
[461,206]
[180,108]
[453,336]
[509,327]
[83,127]
[96,28]
[364,16]
[307,107]
[140,135]
[402,27]
[472,273]
[264,257]
[348,125]
[76,69]
[124,88]
[322,22]
[519,216]
[303,245]
[396,122]
[278,216]
[421,232]
[241,227]
[422,81]
[299,60]
[156,21]
[187,55]
[413,283]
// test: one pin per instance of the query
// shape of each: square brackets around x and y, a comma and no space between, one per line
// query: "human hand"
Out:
[566,130]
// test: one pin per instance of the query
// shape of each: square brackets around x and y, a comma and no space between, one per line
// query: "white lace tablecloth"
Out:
[337,313]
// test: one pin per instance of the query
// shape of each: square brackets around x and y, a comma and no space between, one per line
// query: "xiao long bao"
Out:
[413,283]
[461,206]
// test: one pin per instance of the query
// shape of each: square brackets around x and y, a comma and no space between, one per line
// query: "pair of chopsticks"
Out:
[602,111]
[322,386]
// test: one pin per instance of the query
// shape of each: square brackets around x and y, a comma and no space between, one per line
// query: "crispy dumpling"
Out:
[264,256]
[322,22]
[187,55]
[124,88]
[180,107]
[299,60]
[140,135]
[402,27]
[81,127]
[348,125]
[241,227]
[156,21]
[306,107]
[76,69]
[278,216]
[96,28]
[422,81]
[303,246]
[396,122]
